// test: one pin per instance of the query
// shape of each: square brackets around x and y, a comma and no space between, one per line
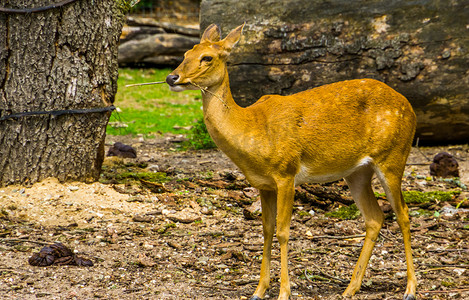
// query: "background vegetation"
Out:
[154,110]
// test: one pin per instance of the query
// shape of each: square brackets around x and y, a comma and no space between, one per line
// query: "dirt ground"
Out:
[198,236]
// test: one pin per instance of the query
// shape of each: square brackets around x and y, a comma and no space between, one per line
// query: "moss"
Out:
[303,213]
[350,212]
[118,172]
[448,283]
[414,197]
[125,5]
[148,176]
[421,212]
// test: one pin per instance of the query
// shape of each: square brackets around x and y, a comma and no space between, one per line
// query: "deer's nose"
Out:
[171,79]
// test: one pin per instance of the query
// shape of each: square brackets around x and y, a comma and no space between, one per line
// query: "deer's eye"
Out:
[207,58]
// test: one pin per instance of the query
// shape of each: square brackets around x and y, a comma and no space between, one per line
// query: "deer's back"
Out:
[332,127]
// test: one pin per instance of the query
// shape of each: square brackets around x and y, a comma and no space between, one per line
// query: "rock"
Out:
[122,150]
[444,165]
[156,49]
[145,218]
[57,254]
[385,205]
[253,211]
[185,216]
[287,48]
[250,192]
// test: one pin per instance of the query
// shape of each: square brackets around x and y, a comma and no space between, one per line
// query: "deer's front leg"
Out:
[285,196]
[269,213]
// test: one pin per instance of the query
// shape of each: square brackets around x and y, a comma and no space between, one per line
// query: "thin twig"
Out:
[327,275]
[444,291]
[145,83]
[338,237]
[433,269]
[23,241]
[215,287]
[185,271]
[210,92]
[421,152]
[445,266]
[447,250]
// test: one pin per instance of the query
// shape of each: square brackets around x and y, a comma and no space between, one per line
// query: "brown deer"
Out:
[351,129]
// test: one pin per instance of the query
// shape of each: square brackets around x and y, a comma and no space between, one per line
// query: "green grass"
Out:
[416,197]
[350,212]
[152,109]
[199,138]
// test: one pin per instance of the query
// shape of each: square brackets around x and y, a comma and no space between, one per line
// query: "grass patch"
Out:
[350,212]
[152,109]
[415,197]
[199,138]
[117,172]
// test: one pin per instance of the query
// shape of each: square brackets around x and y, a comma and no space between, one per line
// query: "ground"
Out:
[198,235]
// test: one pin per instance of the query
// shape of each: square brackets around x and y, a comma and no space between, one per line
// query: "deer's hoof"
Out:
[409,297]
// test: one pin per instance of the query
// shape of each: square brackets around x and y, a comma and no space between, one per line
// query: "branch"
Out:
[35,9]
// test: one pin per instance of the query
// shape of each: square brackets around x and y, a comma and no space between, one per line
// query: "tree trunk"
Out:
[420,48]
[59,59]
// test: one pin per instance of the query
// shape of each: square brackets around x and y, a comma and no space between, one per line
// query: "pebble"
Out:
[459,271]
[73,188]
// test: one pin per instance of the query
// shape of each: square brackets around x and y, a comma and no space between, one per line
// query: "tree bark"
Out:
[59,59]
[420,48]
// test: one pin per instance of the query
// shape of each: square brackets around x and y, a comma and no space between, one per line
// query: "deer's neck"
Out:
[223,117]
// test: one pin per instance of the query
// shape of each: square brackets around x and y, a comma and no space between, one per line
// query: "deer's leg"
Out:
[285,196]
[391,180]
[269,213]
[362,193]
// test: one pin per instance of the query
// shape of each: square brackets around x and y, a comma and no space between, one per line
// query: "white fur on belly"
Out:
[307,175]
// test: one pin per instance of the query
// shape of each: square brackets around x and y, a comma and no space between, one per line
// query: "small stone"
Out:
[459,271]
[446,54]
[253,212]
[400,274]
[148,246]
[153,168]
[140,218]
[206,211]
[184,216]
[73,188]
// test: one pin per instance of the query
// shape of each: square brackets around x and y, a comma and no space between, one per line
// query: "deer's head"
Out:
[204,66]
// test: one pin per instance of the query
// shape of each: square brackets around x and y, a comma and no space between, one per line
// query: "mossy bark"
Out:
[58,59]
[420,48]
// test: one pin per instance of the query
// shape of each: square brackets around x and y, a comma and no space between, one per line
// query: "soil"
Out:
[198,234]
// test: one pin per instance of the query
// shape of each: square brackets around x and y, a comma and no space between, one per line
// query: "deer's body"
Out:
[349,129]
[319,135]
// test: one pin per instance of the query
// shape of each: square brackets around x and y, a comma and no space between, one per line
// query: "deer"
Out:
[351,129]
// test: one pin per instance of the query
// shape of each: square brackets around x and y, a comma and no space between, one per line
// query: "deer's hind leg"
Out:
[359,183]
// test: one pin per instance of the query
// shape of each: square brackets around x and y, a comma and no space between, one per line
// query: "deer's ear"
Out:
[211,34]
[233,37]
